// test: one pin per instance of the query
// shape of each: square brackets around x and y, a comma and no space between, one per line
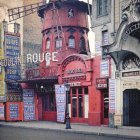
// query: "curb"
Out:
[76,132]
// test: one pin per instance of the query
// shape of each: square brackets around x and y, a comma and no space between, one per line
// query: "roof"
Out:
[79,4]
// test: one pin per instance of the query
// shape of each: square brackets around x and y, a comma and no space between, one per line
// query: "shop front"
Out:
[40,94]
[102,86]
[76,71]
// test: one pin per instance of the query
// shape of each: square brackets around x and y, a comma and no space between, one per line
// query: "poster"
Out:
[12,53]
[98,49]
[104,68]
[2,117]
[60,102]
[14,111]
[112,93]
[29,106]
[2,77]
[2,91]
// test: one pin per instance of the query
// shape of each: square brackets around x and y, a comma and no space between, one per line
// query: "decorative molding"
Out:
[130,61]
[70,59]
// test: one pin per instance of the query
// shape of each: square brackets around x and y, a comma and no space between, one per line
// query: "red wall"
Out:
[95,96]
[79,19]
[78,22]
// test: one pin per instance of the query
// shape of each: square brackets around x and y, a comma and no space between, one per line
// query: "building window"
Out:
[71,42]
[105,38]
[48,43]
[70,13]
[102,7]
[58,42]
[82,46]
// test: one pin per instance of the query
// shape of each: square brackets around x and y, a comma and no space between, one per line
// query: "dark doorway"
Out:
[131,107]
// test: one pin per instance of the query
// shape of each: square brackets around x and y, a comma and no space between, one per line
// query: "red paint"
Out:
[71,66]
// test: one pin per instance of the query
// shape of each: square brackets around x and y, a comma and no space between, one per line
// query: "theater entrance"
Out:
[79,104]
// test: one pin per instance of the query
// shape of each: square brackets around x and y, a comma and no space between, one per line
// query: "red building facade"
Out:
[65,58]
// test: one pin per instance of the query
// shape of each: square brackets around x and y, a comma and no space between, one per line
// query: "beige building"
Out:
[30,29]
[116,24]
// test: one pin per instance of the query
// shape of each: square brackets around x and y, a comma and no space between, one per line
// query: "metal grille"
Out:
[131,107]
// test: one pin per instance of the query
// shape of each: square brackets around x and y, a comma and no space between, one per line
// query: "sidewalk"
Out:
[125,132]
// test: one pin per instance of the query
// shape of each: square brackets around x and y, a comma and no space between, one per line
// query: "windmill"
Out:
[19,12]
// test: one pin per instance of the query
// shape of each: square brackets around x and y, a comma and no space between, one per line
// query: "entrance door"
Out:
[49,106]
[77,103]
[39,107]
[105,108]
[131,107]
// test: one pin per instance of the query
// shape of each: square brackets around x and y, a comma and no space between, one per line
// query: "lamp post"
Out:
[68,126]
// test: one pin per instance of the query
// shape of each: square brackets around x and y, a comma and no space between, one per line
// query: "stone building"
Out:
[116,26]
[32,38]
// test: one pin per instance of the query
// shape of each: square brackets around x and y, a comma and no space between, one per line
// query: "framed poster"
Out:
[14,108]
[60,102]
[29,105]
[104,68]
[112,93]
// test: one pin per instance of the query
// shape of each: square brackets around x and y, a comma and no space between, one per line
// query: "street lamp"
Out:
[67,108]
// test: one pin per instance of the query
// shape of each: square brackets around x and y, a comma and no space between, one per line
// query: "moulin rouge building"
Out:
[66,59]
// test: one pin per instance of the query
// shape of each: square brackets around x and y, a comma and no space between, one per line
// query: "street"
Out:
[18,133]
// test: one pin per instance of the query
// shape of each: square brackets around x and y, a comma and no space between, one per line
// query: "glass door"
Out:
[77,104]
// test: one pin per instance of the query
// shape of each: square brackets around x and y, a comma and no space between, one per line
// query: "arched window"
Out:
[58,42]
[48,43]
[71,43]
[82,46]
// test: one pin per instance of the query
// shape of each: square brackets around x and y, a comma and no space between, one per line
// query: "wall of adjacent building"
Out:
[4,6]
[32,39]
